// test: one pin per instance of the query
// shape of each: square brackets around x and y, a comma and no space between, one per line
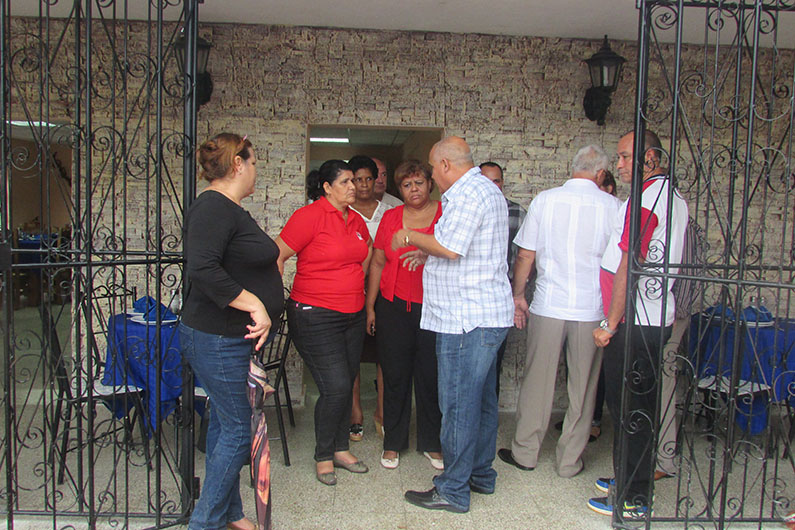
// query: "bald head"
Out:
[652,154]
[450,158]
[455,150]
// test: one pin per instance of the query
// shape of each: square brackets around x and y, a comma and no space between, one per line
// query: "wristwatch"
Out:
[406,240]
[606,326]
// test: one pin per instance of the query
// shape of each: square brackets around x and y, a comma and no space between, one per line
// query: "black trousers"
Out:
[330,343]
[407,353]
[634,471]
[599,405]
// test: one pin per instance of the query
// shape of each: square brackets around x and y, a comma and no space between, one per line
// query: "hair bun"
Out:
[313,187]
[217,155]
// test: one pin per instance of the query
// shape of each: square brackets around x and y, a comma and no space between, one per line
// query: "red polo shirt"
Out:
[330,255]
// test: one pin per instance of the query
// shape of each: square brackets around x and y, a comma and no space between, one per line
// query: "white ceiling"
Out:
[545,18]
[587,19]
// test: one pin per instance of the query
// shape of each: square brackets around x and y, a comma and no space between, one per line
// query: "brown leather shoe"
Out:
[661,474]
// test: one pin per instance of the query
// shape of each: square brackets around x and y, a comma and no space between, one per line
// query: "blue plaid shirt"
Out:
[472,291]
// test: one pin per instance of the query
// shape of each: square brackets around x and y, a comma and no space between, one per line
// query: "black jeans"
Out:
[405,351]
[634,472]
[330,343]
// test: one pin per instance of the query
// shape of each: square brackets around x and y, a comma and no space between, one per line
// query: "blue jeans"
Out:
[221,363]
[468,401]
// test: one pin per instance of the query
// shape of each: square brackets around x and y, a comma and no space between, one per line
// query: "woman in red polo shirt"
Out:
[325,310]
[405,351]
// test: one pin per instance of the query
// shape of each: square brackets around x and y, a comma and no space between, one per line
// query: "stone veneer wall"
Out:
[515,100]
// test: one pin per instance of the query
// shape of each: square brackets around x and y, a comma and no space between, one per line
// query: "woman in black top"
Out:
[235,294]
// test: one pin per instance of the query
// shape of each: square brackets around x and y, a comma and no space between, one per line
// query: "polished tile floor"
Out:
[523,499]
[537,499]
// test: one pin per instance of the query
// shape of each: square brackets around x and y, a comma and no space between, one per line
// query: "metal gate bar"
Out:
[724,110]
[108,232]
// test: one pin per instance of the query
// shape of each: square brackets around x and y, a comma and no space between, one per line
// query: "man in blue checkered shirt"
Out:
[467,302]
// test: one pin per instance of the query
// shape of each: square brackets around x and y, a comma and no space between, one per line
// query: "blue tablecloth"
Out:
[131,361]
[34,242]
[768,357]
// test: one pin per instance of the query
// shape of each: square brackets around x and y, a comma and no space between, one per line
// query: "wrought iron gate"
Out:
[724,110]
[97,133]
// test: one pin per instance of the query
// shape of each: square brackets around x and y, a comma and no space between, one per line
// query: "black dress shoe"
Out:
[478,489]
[431,500]
[507,457]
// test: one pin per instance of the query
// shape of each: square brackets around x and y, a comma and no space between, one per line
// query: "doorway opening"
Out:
[391,145]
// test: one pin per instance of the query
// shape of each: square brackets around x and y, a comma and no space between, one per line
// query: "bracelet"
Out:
[606,326]
[406,240]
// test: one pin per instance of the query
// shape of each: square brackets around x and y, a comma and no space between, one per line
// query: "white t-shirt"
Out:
[373,222]
[391,201]
[568,227]
[648,300]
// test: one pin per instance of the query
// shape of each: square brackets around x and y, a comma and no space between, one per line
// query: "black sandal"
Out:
[357,432]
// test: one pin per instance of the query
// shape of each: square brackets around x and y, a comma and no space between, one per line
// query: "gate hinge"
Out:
[5,256]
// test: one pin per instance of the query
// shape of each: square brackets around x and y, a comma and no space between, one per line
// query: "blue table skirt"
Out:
[768,359]
[131,361]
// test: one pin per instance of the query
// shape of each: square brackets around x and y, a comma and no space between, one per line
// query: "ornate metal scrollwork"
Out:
[71,427]
[727,126]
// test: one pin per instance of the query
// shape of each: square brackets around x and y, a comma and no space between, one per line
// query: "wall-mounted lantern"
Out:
[605,69]
[204,83]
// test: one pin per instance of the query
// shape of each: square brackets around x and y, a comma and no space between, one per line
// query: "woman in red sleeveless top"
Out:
[394,305]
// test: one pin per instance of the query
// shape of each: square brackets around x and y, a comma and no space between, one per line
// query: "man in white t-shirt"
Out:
[663,220]
[380,186]
[564,235]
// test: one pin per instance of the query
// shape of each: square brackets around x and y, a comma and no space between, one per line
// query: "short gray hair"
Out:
[590,159]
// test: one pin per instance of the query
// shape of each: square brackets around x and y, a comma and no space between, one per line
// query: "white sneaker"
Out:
[390,463]
[437,463]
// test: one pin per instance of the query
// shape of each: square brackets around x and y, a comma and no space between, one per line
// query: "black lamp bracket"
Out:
[595,103]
